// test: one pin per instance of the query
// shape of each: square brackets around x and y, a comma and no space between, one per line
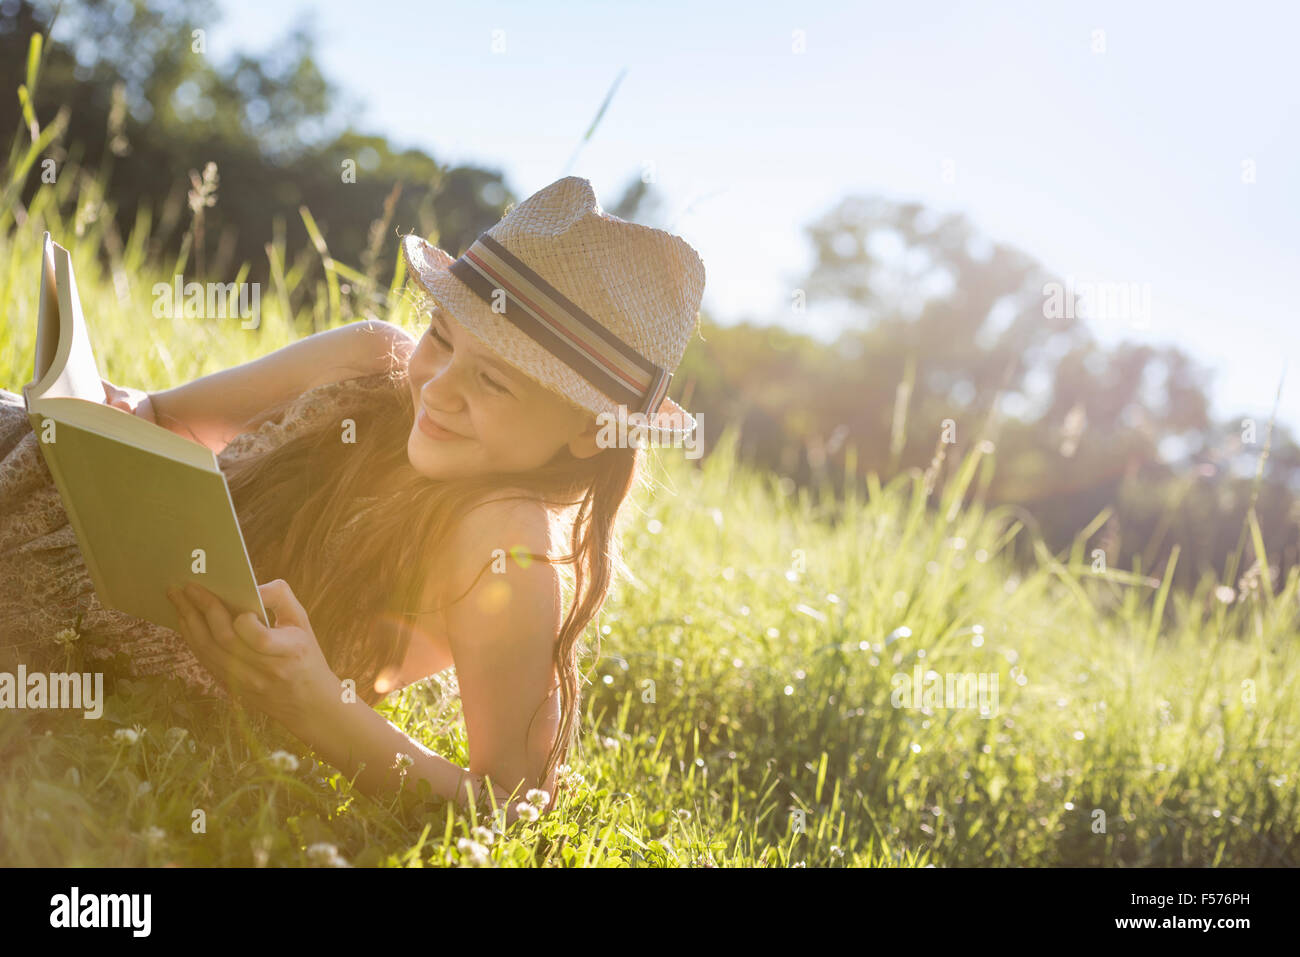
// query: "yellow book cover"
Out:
[150,508]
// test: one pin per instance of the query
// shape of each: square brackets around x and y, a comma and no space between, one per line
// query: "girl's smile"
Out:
[432,429]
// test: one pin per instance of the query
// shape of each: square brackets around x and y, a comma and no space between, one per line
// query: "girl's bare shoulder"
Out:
[499,532]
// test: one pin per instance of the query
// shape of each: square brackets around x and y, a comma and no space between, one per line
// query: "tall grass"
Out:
[740,713]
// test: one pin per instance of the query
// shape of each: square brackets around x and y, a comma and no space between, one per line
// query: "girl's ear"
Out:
[584,445]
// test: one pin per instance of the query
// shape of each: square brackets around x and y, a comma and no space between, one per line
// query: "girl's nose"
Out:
[442,387]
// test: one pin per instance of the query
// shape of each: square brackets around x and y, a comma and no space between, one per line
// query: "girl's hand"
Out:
[280,671]
[129,400]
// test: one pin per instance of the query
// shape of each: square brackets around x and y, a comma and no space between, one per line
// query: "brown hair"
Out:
[293,499]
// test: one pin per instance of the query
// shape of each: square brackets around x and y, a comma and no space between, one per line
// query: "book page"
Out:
[47,319]
[73,371]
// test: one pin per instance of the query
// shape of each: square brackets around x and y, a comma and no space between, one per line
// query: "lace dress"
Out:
[46,594]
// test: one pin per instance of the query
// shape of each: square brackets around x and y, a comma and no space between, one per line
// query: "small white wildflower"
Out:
[800,864]
[1225,594]
[261,851]
[403,761]
[683,815]
[537,797]
[527,812]
[611,743]
[326,855]
[837,851]
[483,835]
[476,852]
[283,761]
[65,637]
[321,851]
[126,735]
[143,788]
[565,773]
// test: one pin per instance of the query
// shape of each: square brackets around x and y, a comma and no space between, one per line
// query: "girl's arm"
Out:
[349,735]
[283,672]
[215,408]
[503,631]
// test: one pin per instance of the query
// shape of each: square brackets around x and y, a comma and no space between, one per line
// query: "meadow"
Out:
[753,701]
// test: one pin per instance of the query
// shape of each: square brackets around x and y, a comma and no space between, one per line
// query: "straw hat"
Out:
[594,308]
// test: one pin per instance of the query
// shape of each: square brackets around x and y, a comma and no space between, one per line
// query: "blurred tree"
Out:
[1076,426]
[150,103]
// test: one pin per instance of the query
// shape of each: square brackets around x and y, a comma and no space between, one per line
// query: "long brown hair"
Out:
[360,576]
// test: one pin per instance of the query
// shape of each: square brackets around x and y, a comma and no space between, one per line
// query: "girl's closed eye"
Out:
[487,380]
[494,385]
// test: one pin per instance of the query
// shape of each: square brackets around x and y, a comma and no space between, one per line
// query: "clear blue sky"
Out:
[1122,166]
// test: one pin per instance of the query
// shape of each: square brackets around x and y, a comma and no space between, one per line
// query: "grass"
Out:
[745,680]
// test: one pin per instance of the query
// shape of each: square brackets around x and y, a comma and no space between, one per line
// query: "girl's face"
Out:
[474,413]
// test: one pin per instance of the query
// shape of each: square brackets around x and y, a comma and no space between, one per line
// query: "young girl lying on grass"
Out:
[405,500]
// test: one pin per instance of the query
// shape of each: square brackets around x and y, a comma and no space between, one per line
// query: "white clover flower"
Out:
[261,850]
[483,835]
[837,851]
[126,735]
[283,761]
[1225,594]
[537,797]
[800,864]
[327,855]
[527,812]
[473,850]
[611,743]
[565,773]
[65,637]
[403,761]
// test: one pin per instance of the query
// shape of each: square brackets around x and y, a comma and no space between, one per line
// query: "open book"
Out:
[150,508]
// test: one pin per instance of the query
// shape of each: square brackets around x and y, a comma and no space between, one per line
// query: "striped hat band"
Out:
[503,281]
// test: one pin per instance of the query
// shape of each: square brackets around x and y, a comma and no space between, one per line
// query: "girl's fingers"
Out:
[212,654]
[279,598]
[233,636]
[259,639]
[189,617]
[215,614]
[195,632]
[246,638]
